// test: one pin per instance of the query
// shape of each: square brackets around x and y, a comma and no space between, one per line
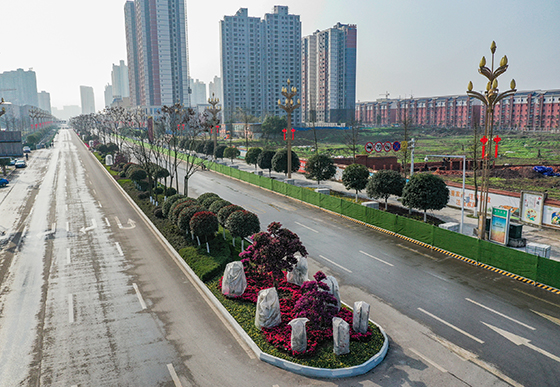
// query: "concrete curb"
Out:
[209,296]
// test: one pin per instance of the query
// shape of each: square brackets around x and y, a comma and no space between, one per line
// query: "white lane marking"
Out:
[416,251]
[379,259]
[174,375]
[54,227]
[518,340]
[131,224]
[100,204]
[119,249]
[68,258]
[309,228]
[66,207]
[429,361]
[334,263]
[500,314]
[107,221]
[95,193]
[83,230]
[550,318]
[70,308]
[142,303]
[67,226]
[537,298]
[438,277]
[452,326]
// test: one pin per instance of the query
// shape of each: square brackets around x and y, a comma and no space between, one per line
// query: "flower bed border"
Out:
[273,360]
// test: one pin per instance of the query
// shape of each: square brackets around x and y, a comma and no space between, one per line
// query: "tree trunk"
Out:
[386,204]
[424,216]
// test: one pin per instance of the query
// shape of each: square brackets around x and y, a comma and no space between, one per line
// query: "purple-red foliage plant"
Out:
[272,252]
[316,303]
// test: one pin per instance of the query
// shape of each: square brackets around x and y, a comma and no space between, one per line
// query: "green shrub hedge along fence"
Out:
[544,272]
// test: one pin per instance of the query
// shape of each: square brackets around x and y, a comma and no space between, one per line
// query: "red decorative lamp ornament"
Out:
[497,139]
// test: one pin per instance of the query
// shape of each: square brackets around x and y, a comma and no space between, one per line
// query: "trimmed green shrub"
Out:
[204,224]
[208,202]
[171,199]
[184,218]
[158,191]
[218,205]
[220,151]
[170,191]
[205,196]
[136,174]
[226,211]
[158,213]
[178,206]
[143,195]
[243,224]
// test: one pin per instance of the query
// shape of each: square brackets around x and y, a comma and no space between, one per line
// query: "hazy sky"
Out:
[423,47]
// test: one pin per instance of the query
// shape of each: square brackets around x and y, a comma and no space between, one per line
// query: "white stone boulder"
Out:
[299,273]
[299,334]
[361,317]
[341,336]
[234,282]
[268,309]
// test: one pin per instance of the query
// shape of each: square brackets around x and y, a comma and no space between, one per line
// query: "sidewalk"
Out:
[448,214]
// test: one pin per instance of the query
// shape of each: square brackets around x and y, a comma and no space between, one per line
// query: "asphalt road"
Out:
[90,296]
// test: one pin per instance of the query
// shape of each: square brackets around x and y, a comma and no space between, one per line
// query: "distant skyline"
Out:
[423,48]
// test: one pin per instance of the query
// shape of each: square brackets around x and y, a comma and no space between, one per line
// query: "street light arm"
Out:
[477,95]
[505,94]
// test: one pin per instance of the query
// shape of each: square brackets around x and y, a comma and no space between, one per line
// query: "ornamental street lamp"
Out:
[289,106]
[490,98]
[214,110]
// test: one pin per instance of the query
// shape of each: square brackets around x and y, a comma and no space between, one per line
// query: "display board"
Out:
[499,225]
[531,207]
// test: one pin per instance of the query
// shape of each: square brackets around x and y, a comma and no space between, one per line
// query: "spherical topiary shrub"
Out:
[158,191]
[136,174]
[204,224]
[243,224]
[170,191]
[216,206]
[143,195]
[158,213]
[208,202]
[179,206]
[185,216]
[171,199]
[205,196]
[226,211]
[143,185]
[128,165]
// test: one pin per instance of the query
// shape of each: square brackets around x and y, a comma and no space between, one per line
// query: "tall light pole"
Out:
[463,193]
[289,106]
[214,110]
[490,98]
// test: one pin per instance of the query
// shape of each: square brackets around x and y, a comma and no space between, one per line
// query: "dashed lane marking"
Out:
[452,326]
[174,375]
[309,228]
[334,263]
[500,314]
[70,308]
[379,259]
[121,253]
[139,295]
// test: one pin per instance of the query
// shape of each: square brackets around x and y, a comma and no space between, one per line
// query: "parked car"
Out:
[12,161]
[4,182]
[21,164]
[26,149]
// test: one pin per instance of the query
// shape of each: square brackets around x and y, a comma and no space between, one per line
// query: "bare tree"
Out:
[244,115]
[352,138]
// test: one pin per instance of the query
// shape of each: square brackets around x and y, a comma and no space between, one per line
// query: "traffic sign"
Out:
[387,146]
[396,146]
[369,147]
[404,145]
[378,146]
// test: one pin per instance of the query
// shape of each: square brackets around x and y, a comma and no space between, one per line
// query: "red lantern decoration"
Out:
[497,139]
[293,131]
[484,140]
[284,131]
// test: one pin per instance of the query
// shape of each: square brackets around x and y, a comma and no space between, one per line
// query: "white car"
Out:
[21,164]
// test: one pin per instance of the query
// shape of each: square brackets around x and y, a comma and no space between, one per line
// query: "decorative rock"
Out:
[361,317]
[371,205]
[268,309]
[234,282]
[324,191]
[341,336]
[298,275]
[333,286]
[299,334]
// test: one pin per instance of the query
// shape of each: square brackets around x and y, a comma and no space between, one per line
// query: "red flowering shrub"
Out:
[316,302]
[290,295]
[272,251]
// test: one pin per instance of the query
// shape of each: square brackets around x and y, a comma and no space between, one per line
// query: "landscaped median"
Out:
[273,346]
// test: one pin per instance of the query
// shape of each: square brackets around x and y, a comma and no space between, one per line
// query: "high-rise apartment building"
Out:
[215,88]
[44,101]
[19,87]
[88,100]
[108,95]
[257,57]
[329,75]
[119,80]
[156,40]
[198,92]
